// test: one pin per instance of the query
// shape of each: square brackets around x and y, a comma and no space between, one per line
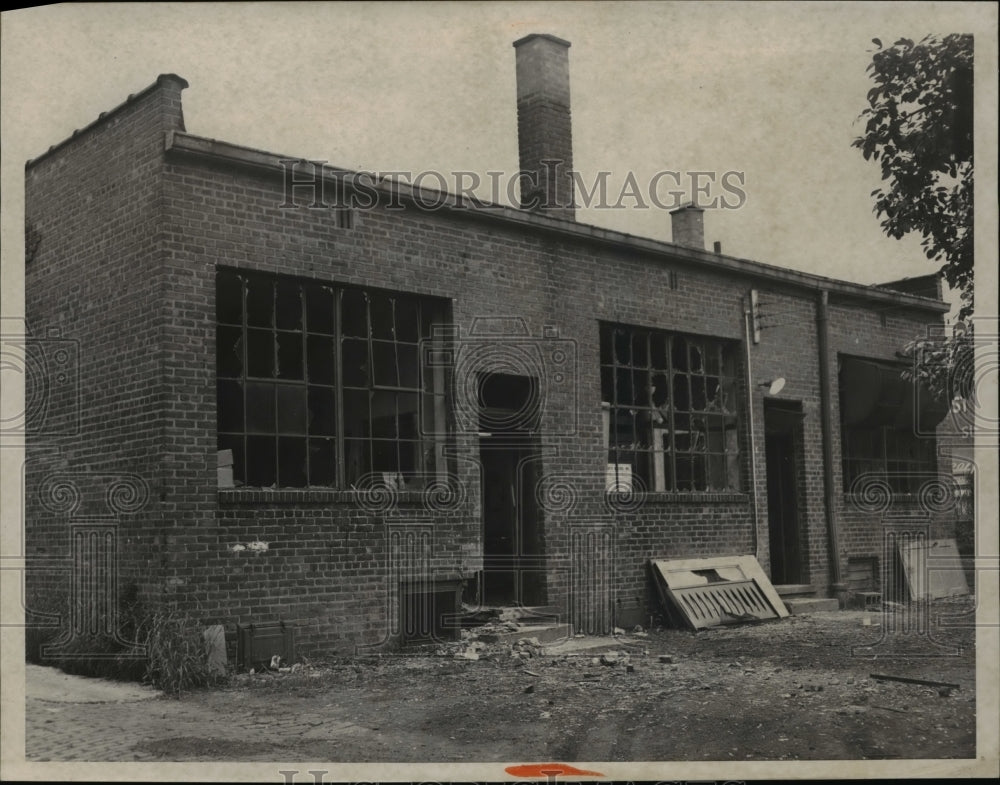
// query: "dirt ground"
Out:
[794,689]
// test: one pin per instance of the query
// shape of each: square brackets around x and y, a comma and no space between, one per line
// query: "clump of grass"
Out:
[40,619]
[158,645]
[176,652]
[96,655]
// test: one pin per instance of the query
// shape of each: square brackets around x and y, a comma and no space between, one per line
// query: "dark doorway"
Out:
[509,450]
[782,433]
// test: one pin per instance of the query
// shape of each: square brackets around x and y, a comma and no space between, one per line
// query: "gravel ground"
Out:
[794,689]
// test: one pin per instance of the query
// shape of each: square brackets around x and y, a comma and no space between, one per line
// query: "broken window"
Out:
[320,385]
[671,410]
[896,455]
[877,427]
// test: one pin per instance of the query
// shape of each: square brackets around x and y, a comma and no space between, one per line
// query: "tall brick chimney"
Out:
[544,132]
[687,224]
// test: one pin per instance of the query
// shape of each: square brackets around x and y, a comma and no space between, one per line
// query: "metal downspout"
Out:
[837,588]
[753,451]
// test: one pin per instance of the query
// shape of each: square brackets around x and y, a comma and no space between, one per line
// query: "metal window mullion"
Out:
[613,412]
[395,339]
[399,438]
[706,471]
[340,480]
[371,382]
[692,436]
[633,406]
[720,356]
[619,412]
[245,340]
[648,407]
[708,445]
[395,397]
[704,421]
[421,463]
[274,376]
[626,368]
[743,412]
[304,326]
[672,410]
[613,416]
[613,419]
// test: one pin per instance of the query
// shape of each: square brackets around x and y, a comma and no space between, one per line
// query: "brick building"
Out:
[476,398]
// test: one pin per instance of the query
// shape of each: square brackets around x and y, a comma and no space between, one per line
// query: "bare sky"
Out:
[771,90]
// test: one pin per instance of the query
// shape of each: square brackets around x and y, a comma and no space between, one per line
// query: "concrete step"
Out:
[595,645]
[800,605]
[539,614]
[793,589]
[546,633]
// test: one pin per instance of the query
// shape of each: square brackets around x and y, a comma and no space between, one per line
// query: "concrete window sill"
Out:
[894,498]
[313,496]
[698,497]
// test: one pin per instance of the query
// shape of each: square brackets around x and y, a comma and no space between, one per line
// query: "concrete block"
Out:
[799,606]
[544,633]
[215,642]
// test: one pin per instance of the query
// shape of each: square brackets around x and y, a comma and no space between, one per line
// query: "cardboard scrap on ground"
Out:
[715,591]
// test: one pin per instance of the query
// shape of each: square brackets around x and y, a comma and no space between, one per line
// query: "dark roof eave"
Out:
[188,144]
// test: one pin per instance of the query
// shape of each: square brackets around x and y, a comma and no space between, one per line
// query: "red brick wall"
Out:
[490,271]
[96,281]
[869,332]
[144,308]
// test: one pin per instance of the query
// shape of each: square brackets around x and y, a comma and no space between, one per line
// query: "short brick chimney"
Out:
[544,132]
[687,224]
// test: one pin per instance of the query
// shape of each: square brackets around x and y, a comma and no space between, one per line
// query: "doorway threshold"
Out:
[794,589]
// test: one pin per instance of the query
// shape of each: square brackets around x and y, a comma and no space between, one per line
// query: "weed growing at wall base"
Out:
[157,645]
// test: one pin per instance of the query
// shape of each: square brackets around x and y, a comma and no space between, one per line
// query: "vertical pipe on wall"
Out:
[837,588]
[753,453]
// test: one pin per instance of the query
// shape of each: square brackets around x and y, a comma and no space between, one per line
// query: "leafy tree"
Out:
[918,126]
[945,365]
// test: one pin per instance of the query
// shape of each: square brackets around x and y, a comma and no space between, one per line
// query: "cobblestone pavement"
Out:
[74,718]
[81,719]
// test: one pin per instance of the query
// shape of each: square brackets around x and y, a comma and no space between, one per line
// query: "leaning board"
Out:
[738,590]
[933,569]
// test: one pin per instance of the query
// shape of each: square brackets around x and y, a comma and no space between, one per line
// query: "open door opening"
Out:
[782,439]
[509,451]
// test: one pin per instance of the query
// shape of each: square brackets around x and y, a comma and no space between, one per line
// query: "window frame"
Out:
[903,474]
[886,457]
[722,457]
[428,446]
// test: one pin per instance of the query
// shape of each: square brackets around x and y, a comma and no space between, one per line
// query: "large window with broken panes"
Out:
[671,410]
[880,414]
[888,455]
[325,386]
